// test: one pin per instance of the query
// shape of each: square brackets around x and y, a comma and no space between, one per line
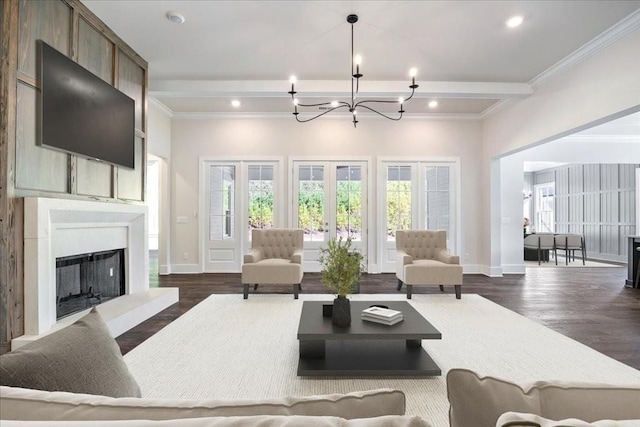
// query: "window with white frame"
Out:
[545,207]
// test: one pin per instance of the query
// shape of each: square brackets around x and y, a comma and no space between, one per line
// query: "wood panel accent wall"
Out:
[28,169]
[598,201]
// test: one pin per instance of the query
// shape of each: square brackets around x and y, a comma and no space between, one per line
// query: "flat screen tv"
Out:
[83,114]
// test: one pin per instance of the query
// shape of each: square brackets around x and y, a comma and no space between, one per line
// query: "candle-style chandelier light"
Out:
[352,106]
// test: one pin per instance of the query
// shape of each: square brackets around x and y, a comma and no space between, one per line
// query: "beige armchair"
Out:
[423,260]
[275,258]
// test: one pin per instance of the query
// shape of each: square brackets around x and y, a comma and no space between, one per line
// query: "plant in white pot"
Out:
[341,269]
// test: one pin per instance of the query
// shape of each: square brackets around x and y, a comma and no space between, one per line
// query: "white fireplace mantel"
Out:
[56,228]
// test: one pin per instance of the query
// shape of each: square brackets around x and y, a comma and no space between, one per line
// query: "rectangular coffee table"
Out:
[365,348]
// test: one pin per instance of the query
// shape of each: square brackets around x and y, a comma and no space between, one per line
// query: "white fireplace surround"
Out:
[56,228]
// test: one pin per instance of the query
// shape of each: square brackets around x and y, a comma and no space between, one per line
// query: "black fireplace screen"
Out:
[83,281]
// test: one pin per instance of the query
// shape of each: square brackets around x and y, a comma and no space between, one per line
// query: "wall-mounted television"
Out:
[82,114]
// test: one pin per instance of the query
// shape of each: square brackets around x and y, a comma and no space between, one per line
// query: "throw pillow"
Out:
[81,358]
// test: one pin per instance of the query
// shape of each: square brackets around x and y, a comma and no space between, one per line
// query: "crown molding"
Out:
[492,109]
[602,138]
[616,32]
[160,106]
[287,115]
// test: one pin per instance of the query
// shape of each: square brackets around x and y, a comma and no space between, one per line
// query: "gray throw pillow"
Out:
[81,358]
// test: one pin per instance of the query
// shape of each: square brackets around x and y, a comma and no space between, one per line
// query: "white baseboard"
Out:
[492,271]
[164,270]
[185,269]
[472,269]
[513,269]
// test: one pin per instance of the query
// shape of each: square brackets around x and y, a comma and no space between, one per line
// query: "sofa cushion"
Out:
[479,401]
[254,421]
[22,404]
[81,358]
[516,419]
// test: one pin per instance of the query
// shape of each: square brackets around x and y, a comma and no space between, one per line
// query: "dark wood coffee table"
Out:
[365,348]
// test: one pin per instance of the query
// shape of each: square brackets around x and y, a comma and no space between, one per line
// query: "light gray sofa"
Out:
[382,407]
[85,361]
[478,401]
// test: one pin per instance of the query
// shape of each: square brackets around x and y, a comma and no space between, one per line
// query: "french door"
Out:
[238,196]
[329,201]
[415,195]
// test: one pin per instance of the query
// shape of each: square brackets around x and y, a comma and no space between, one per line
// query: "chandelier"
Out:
[353,106]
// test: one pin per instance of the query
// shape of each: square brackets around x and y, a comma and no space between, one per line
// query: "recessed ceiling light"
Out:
[235,103]
[433,104]
[514,21]
[175,17]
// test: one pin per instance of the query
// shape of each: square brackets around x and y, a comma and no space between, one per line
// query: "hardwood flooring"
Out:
[590,305]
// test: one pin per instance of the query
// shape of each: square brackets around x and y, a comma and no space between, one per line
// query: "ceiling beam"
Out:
[336,88]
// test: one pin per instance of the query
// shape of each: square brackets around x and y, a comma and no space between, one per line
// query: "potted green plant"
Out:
[341,269]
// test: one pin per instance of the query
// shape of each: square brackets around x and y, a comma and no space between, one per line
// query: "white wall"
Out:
[602,87]
[158,131]
[512,183]
[159,144]
[408,139]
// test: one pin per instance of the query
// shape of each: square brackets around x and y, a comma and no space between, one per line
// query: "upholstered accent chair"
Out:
[275,258]
[422,259]
[570,243]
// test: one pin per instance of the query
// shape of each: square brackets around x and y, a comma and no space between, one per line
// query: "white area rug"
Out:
[227,347]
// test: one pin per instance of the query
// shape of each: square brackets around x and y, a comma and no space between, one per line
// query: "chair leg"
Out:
[566,256]
[399,284]
[409,291]
[255,287]
[441,288]
[538,256]
[458,291]
[296,290]
[583,251]
[246,291]
[555,255]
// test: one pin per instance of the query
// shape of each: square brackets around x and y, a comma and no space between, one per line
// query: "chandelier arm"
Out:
[314,105]
[413,91]
[381,114]
[343,104]
[321,114]
[381,101]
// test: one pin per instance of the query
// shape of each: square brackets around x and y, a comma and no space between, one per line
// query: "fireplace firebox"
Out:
[83,281]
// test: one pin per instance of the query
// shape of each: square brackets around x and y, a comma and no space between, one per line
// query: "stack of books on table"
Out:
[381,315]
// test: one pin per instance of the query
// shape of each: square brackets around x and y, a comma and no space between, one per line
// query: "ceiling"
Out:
[466,56]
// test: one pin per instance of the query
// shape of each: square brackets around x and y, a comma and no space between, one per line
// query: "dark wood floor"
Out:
[590,305]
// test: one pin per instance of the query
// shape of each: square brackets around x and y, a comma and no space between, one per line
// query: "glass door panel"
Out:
[349,212]
[437,190]
[311,202]
[261,197]
[398,200]
[222,247]
[329,200]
